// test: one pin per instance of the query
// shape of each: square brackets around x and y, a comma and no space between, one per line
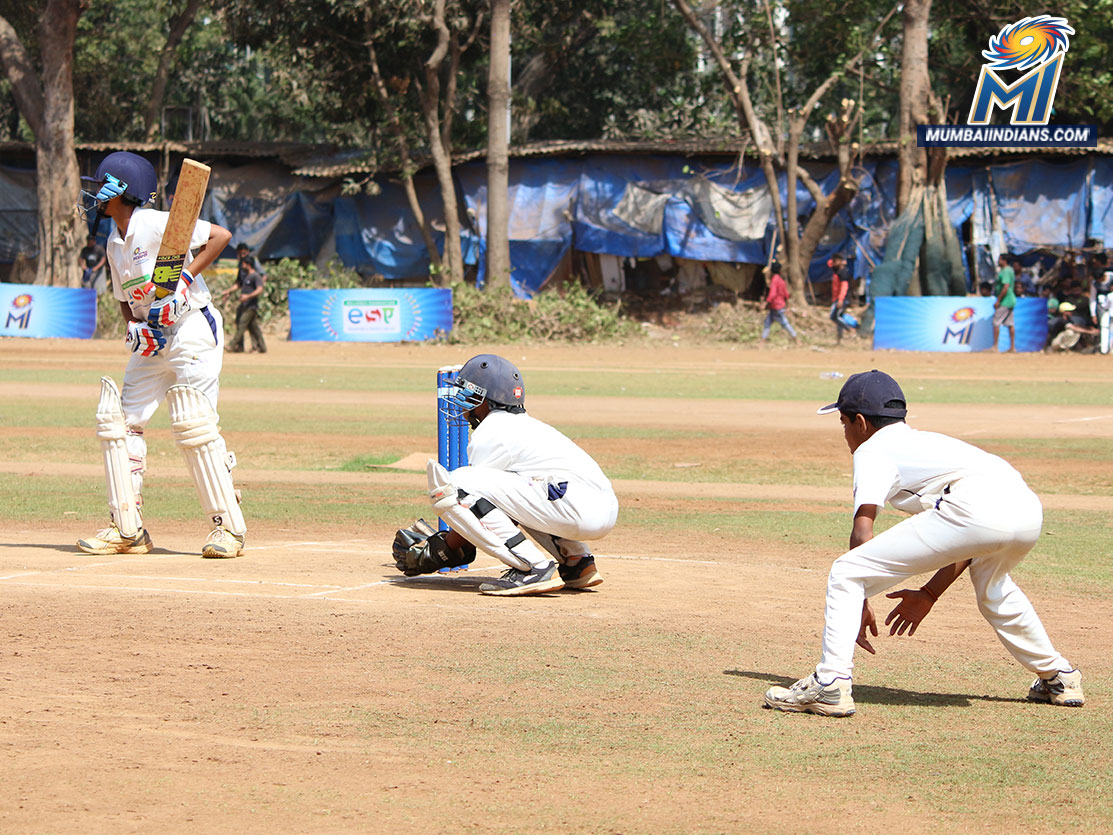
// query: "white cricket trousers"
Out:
[582,512]
[193,356]
[993,524]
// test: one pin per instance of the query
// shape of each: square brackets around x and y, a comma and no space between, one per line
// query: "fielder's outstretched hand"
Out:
[913,608]
[869,623]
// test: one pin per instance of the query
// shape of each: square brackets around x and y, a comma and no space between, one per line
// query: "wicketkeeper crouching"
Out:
[525,477]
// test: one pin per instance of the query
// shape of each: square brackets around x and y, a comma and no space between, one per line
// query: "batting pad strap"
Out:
[493,534]
[117,462]
[193,422]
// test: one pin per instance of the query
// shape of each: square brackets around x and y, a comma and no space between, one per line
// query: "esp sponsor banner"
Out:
[412,314]
[954,323]
[45,312]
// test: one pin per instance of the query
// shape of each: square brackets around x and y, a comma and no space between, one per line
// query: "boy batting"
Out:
[971,510]
[176,341]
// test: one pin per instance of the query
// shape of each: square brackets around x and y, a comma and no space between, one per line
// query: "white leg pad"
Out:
[562,549]
[193,422]
[493,532]
[122,498]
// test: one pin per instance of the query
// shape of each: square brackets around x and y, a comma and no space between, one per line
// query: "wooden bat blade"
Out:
[193,180]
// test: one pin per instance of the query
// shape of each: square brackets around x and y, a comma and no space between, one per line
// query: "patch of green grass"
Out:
[363,463]
[713,469]
[792,383]
[50,498]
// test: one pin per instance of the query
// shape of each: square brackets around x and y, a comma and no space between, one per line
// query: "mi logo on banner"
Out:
[1035,44]
[964,317]
[19,314]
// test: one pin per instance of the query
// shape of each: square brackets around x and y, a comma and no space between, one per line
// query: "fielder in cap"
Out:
[970,510]
[176,346]
[524,477]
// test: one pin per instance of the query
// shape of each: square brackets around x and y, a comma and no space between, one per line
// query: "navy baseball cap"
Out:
[866,394]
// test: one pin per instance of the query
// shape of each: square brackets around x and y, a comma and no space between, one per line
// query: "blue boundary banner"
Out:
[45,312]
[954,324]
[370,315]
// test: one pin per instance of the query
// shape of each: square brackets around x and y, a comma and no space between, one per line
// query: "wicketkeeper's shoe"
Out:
[222,544]
[1063,689]
[582,575]
[535,581]
[810,695]
[111,541]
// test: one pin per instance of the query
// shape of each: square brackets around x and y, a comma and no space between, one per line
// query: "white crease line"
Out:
[21,574]
[661,559]
[159,590]
[1084,419]
[327,586]
[365,542]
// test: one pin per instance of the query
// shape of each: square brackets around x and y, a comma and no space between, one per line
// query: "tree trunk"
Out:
[498,169]
[399,132]
[46,103]
[178,26]
[441,152]
[915,95]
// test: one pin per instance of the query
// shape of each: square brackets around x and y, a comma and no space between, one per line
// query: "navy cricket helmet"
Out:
[133,172]
[489,377]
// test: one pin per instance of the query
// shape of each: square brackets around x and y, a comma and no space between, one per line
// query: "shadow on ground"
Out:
[867,694]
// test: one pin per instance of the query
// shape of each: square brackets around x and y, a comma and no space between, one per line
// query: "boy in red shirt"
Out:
[840,287]
[777,302]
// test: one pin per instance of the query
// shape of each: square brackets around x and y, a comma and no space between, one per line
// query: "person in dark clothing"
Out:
[249,282]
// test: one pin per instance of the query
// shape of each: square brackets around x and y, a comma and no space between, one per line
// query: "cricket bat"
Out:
[193,180]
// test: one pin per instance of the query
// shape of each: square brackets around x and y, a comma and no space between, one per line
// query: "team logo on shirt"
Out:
[139,254]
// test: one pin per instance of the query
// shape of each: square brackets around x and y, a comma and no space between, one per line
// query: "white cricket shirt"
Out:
[522,444]
[133,259]
[910,469]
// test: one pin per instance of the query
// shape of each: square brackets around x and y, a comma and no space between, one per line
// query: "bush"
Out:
[734,323]
[497,314]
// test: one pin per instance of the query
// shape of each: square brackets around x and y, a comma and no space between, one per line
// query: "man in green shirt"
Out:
[1004,302]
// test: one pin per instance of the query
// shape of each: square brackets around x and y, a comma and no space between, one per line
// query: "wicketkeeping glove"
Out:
[422,550]
[144,339]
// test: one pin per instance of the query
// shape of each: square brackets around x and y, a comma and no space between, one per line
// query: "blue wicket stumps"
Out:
[452,438]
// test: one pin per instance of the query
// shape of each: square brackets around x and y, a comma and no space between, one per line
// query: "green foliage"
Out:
[110,317]
[574,316]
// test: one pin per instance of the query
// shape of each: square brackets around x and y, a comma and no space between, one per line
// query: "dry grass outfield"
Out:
[309,687]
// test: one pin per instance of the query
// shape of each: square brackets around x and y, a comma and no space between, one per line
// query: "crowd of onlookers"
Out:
[1078,289]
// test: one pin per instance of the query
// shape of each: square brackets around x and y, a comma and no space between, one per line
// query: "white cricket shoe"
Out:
[1063,689]
[111,541]
[514,583]
[222,544]
[810,695]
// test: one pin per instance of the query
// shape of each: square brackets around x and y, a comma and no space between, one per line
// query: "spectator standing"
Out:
[1004,302]
[93,258]
[250,278]
[776,302]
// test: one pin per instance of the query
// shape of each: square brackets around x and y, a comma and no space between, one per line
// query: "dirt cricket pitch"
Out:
[308,687]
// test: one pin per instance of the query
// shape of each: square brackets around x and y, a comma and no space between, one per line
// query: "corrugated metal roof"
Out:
[332,162]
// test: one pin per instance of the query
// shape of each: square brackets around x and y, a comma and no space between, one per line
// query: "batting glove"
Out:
[165,312]
[112,188]
[143,339]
